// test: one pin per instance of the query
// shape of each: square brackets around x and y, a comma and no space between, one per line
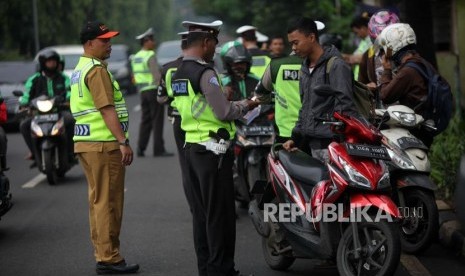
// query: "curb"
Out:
[451,233]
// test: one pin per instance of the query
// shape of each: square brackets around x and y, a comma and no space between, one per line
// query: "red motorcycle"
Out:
[339,211]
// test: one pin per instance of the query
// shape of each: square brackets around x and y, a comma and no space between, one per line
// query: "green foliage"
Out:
[60,21]
[271,17]
[445,155]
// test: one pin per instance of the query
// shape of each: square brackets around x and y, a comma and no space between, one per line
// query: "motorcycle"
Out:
[255,135]
[355,179]
[5,195]
[49,136]
[410,169]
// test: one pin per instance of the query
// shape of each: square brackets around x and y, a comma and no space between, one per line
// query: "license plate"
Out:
[258,130]
[411,142]
[47,117]
[367,151]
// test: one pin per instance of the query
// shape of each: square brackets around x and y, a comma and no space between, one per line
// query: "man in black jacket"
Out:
[303,36]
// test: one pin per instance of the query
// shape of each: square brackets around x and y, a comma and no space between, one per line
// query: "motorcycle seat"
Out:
[303,167]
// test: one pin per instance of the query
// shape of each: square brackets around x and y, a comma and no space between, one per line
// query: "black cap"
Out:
[95,29]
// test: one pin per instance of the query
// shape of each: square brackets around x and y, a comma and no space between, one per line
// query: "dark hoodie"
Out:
[316,106]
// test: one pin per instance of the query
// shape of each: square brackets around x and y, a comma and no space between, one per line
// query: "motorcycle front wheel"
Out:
[50,170]
[421,221]
[270,247]
[379,253]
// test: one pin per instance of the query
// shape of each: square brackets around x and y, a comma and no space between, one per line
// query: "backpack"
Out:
[439,103]
[363,98]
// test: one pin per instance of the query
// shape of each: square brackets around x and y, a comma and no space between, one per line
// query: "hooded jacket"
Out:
[317,106]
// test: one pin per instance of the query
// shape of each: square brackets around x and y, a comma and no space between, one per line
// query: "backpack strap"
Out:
[424,70]
[328,65]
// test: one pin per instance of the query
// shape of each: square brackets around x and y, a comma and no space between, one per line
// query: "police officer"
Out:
[165,95]
[282,76]
[208,120]
[102,145]
[260,58]
[147,77]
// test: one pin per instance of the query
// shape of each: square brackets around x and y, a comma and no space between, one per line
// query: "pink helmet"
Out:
[379,21]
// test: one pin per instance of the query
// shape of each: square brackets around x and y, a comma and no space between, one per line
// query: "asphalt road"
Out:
[47,232]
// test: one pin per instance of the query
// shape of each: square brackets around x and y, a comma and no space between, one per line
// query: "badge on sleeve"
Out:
[214,80]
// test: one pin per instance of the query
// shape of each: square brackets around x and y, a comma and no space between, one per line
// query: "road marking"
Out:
[137,108]
[34,182]
[413,265]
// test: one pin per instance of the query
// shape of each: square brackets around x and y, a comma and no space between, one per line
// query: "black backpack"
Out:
[439,103]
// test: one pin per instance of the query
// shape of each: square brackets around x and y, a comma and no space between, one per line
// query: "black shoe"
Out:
[163,154]
[140,153]
[117,268]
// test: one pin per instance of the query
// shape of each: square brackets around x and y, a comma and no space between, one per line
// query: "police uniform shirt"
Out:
[210,87]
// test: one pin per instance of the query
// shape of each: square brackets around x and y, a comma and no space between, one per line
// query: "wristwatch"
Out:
[125,142]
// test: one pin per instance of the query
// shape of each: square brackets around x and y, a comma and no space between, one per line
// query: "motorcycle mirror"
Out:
[17,93]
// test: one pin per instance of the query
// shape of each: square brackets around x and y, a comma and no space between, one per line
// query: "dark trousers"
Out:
[211,191]
[152,120]
[180,138]
[25,128]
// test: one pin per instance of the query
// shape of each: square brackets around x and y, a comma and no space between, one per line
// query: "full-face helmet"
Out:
[379,21]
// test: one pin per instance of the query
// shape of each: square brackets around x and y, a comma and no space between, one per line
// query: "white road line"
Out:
[137,108]
[33,182]
[413,265]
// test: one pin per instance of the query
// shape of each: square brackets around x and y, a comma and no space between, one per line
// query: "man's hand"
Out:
[252,104]
[127,155]
[372,86]
[289,146]
[386,62]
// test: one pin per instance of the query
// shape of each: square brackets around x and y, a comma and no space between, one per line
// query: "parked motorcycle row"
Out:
[376,184]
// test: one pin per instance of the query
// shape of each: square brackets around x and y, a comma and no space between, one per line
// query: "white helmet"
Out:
[396,36]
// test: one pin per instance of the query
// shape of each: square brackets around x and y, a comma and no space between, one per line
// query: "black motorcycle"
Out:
[49,136]
[5,195]
[255,135]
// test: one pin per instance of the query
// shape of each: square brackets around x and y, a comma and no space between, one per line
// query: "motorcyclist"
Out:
[52,82]
[371,66]
[238,82]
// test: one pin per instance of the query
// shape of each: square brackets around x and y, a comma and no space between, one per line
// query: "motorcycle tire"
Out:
[275,261]
[380,243]
[50,170]
[418,231]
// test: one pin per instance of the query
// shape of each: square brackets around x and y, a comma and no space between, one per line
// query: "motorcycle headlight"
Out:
[399,159]
[406,119]
[57,127]
[35,128]
[354,176]
[384,182]
[44,106]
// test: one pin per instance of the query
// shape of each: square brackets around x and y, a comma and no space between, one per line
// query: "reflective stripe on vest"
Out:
[197,117]
[142,74]
[288,101]
[90,125]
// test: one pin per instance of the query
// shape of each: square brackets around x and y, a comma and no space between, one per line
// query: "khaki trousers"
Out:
[105,177]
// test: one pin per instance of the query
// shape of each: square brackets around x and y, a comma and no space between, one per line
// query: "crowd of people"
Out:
[203,107]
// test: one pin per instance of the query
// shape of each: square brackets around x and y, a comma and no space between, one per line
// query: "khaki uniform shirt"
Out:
[100,86]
